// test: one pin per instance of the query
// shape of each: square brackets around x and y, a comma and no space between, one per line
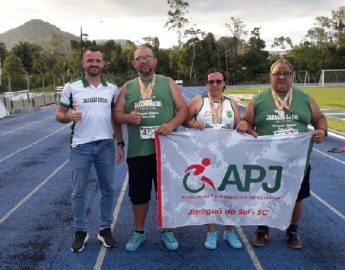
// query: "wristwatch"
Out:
[120,143]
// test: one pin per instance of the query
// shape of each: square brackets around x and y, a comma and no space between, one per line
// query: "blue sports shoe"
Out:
[135,242]
[232,239]
[170,241]
[211,240]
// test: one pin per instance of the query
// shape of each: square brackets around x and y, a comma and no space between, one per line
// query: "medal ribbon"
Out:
[146,92]
[282,103]
[216,111]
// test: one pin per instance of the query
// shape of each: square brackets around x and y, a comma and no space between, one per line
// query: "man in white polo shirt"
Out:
[88,103]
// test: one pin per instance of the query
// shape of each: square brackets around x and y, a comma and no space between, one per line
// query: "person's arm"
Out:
[240,124]
[121,117]
[318,121]
[193,109]
[249,117]
[181,110]
[65,115]
[120,153]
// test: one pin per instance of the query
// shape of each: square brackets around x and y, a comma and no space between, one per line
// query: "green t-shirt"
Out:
[156,110]
[268,119]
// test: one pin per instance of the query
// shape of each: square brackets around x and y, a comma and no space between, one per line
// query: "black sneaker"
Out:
[293,240]
[80,239]
[106,238]
[261,237]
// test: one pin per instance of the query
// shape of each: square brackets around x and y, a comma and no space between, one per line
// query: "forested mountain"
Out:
[38,32]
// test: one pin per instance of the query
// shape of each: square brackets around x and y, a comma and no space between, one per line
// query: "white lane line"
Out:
[116,212]
[334,113]
[27,197]
[322,153]
[36,142]
[33,123]
[249,248]
[330,207]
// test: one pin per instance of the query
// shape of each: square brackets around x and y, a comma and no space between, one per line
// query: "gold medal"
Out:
[283,104]
[146,92]
[216,111]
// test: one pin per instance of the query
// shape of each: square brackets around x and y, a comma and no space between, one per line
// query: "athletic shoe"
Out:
[106,238]
[170,241]
[80,239]
[261,237]
[293,240]
[232,239]
[135,242]
[211,240]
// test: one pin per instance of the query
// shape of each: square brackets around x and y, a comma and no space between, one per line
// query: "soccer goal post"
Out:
[332,77]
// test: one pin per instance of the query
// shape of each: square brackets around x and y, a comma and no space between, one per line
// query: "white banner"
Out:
[224,177]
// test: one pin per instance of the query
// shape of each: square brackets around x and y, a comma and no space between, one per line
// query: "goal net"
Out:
[303,77]
[334,77]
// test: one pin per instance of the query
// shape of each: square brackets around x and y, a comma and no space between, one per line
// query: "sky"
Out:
[134,19]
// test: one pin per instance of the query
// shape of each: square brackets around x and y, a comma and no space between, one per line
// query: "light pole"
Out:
[81,41]
[226,61]
[82,35]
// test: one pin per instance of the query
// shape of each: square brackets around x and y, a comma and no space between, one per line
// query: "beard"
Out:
[145,72]
[93,71]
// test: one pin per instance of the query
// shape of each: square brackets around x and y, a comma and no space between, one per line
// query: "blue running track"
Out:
[36,221]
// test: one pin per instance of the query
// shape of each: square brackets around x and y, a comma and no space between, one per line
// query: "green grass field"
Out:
[326,97]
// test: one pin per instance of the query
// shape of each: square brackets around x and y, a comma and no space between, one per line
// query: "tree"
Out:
[282,42]
[26,52]
[255,59]
[194,34]
[3,52]
[338,17]
[152,41]
[232,51]
[13,67]
[177,20]
[321,34]
[39,65]
[237,29]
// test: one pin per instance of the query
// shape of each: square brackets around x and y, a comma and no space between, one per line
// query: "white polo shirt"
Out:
[95,104]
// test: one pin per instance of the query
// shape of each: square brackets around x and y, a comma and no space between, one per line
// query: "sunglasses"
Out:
[215,81]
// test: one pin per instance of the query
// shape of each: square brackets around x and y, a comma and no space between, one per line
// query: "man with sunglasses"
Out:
[285,109]
[147,104]
[214,110]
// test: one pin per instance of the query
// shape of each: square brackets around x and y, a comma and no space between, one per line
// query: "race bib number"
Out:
[148,132]
[286,131]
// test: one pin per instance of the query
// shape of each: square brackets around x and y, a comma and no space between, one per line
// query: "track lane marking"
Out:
[32,144]
[27,197]
[322,153]
[103,250]
[249,248]
[33,123]
[330,207]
